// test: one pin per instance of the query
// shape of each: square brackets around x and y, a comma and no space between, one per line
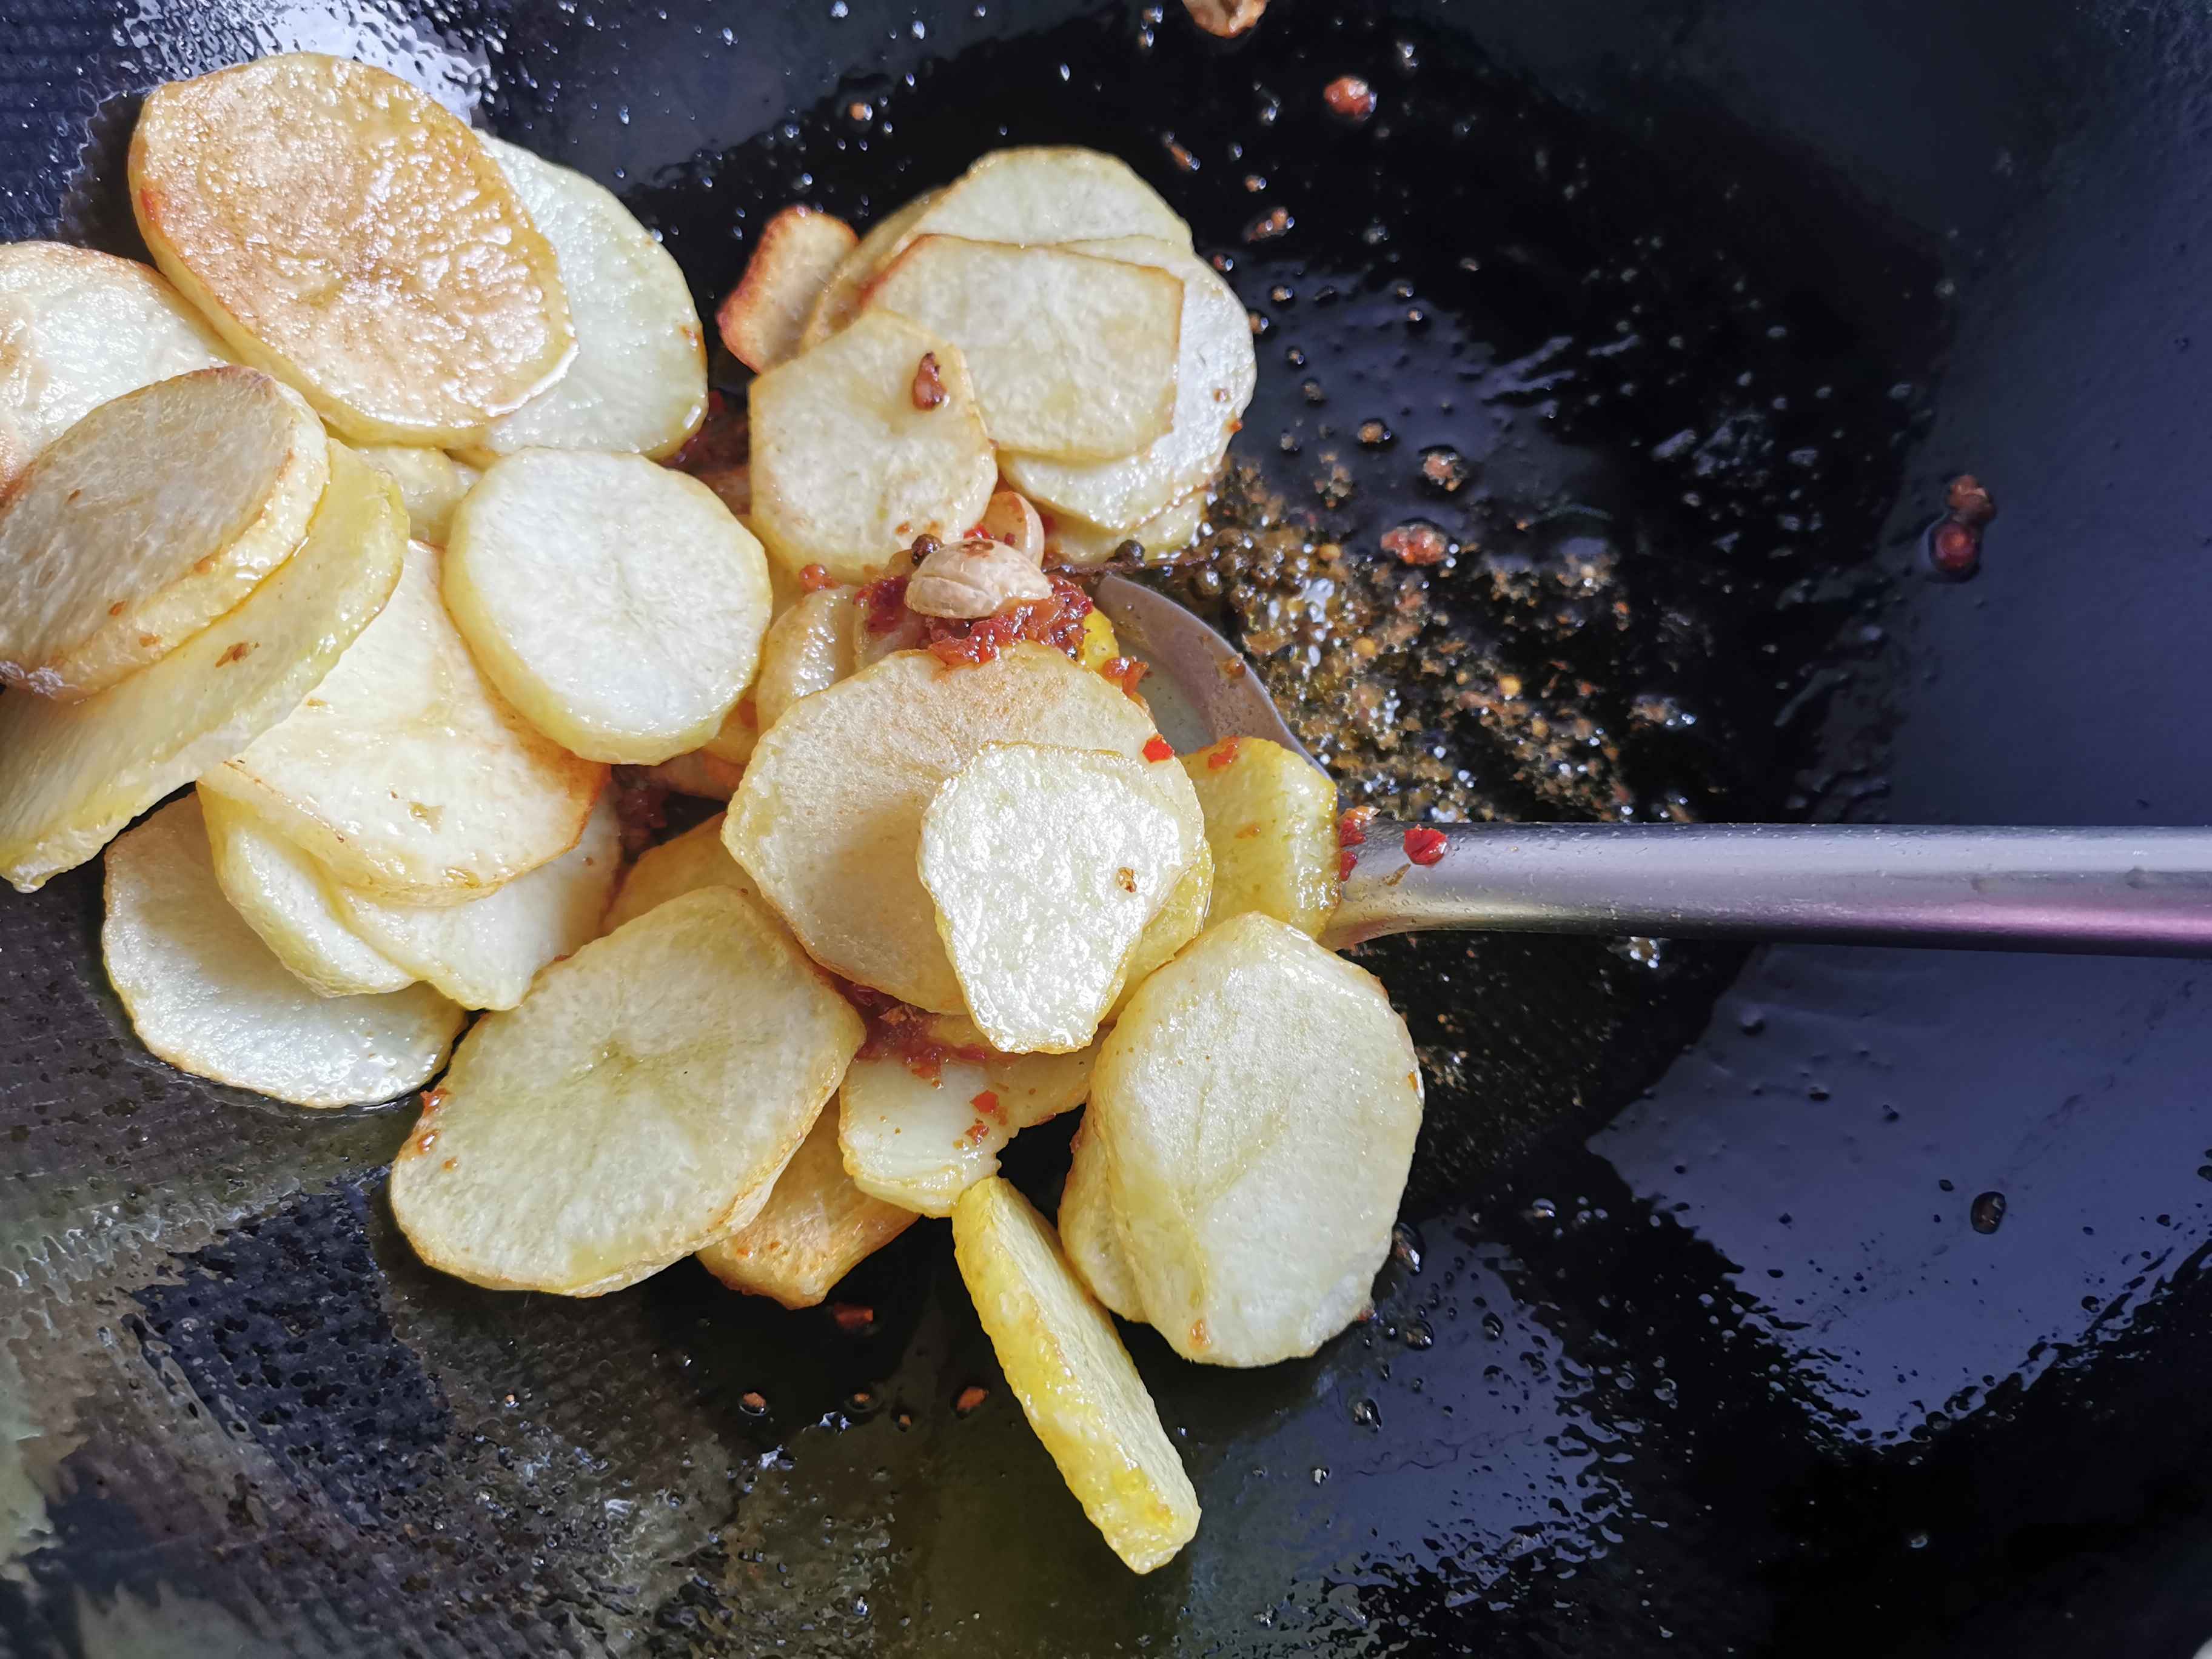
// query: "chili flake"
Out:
[987,1103]
[1222,755]
[816,577]
[928,383]
[1158,748]
[1124,671]
[1424,845]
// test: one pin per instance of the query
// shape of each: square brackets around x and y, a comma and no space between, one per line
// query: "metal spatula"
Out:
[2119,892]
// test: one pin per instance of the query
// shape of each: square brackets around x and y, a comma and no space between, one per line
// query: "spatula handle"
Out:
[2128,892]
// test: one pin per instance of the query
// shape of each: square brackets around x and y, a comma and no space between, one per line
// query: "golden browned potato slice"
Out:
[636,1108]
[431,482]
[919,1141]
[638,383]
[77,328]
[1180,921]
[816,1228]
[1271,822]
[829,817]
[1046,866]
[1073,356]
[616,603]
[71,774]
[148,519]
[1215,372]
[203,994]
[279,892]
[405,774]
[761,318]
[1258,1099]
[808,648]
[344,232]
[733,743]
[1065,1364]
[839,302]
[485,954]
[1091,1230]
[1050,193]
[865,443]
[681,864]
[1072,541]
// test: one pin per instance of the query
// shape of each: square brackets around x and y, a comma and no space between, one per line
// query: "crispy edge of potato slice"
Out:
[354,175]
[205,995]
[763,319]
[1259,1098]
[816,1227]
[1270,824]
[71,774]
[431,484]
[1091,1233]
[1076,1382]
[839,302]
[808,648]
[656,1038]
[1075,541]
[149,518]
[1181,920]
[616,603]
[1042,194]
[278,890]
[828,816]
[1073,356]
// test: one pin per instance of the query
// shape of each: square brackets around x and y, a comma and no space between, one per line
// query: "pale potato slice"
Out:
[1078,1388]
[1215,372]
[405,774]
[920,1133]
[1046,866]
[71,774]
[485,954]
[1180,921]
[203,994]
[829,817]
[431,482]
[1072,541]
[1050,193]
[816,1228]
[1072,356]
[636,1108]
[1259,1099]
[279,892]
[1271,823]
[702,775]
[839,302]
[344,232]
[681,864]
[808,648]
[638,382]
[148,519]
[763,317]
[77,328]
[848,468]
[1091,1232]
[618,604]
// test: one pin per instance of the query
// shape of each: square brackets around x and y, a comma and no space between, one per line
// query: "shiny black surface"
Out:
[1705,1351]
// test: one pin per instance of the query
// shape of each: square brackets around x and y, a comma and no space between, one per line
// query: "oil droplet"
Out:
[1988,1212]
[1406,1247]
[752,1404]
[1320,1473]
[1543,1210]
[1417,1334]
[1919,1541]
[1493,1326]
[1367,1414]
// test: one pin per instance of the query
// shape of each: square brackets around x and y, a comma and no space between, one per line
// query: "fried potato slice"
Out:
[405,774]
[1079,1387]
[1046,866]
[816,1228]
[1180,921]
[1271,823]
[1073,541]
[808,648]
[919,1138]
[148,519]
[829,817]
[342,231]
[638,382]
[1215,374]
[763,317]
[431,484]
[1050,193]
[636,1108]
[279,892]
[204,995]
[839,302]
[76,329]
[71,774]
[1091,1232]
[702,775]
[1259,1098]
[848,468]
[485,953]
[681,864]
[616,603]
[1072,356]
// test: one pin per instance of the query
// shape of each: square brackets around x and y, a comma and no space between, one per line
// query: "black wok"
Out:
[1698,1340]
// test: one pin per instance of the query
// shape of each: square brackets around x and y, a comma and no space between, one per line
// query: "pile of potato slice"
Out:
[353,517]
